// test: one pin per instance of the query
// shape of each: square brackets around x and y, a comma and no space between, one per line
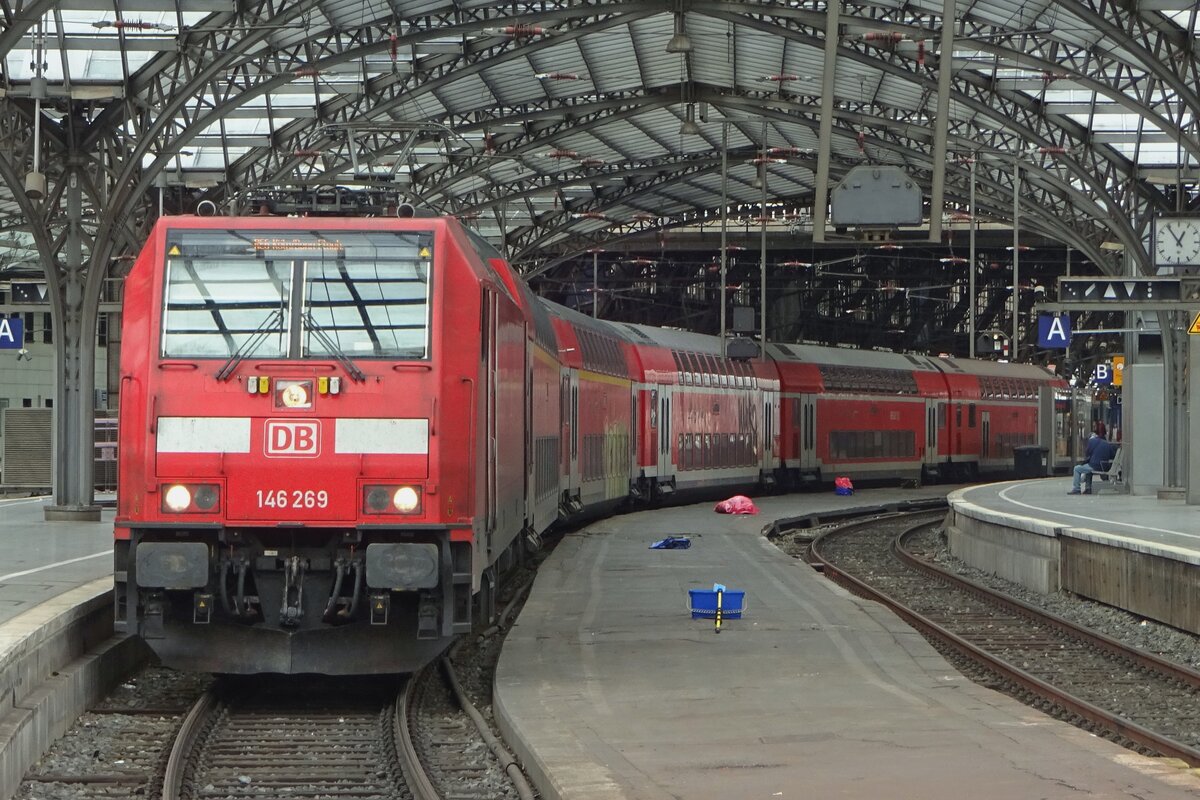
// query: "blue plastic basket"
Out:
[703,604]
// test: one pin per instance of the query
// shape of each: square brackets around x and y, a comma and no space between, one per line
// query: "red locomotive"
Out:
[337,434]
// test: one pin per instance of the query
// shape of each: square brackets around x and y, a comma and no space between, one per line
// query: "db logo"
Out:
[295,438]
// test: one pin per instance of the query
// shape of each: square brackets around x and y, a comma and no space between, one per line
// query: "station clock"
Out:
[1176,241]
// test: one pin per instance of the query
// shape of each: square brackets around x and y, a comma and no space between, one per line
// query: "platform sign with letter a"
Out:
[12,333]
[1054,331]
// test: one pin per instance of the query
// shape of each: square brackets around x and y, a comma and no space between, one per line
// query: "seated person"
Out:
[1096,453]
[1107,452]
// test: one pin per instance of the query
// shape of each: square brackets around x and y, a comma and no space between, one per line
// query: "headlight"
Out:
[392,500]
[295,396]
[406,500]
[177,498]
[199,498]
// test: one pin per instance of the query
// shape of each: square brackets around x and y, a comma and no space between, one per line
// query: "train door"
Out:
[770,431]
[932,431]
[531,459]
[489,416]
[985,441]
[807,426]
[665,468]
[570,414]
[564,433]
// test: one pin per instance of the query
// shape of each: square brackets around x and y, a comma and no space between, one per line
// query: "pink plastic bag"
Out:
[843,486]
[737,504]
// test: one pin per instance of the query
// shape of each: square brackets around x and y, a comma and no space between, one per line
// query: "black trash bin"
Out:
[1031,460]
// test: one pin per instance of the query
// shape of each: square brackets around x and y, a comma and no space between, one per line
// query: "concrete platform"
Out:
[40,560]
[607,688]
[1135,552]
[58,654]
[1045,504]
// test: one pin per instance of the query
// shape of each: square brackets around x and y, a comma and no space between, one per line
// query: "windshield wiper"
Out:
[252,343]
[332,347]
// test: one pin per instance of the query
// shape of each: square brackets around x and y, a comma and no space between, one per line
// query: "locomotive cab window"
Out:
[297,294]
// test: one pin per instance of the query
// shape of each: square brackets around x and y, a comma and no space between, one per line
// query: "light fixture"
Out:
[35,179]
[132,25]
[680,43]
[519,31]
[689,126]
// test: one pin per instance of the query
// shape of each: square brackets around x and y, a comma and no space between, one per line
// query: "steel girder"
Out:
[105,158]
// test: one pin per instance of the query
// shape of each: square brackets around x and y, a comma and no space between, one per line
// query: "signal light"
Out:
[392,500]
[200,498]
[329,385]
[264,385]
[252,385]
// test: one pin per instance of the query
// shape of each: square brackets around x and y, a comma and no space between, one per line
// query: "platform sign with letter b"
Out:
[1104,374]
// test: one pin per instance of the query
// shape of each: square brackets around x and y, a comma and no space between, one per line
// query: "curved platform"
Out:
[608,689]
[1134,552]
[1046,504]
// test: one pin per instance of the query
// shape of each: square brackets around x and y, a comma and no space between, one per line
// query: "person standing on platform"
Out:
[1093,456]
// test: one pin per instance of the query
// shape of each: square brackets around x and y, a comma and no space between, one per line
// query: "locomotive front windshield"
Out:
[297,294]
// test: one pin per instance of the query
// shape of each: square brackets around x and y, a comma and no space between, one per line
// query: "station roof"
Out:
[555,127]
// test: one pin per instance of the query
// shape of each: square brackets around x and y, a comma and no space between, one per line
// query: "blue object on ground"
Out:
[672,543]
[842,491]
[703,603]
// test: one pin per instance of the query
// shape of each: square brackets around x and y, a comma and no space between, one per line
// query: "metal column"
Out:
[825,134]
[74,346]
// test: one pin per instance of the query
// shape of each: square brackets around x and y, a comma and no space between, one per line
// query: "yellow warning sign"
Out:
[174,251]
[423,252]
[1118,373]
[203,604]
[1195,326]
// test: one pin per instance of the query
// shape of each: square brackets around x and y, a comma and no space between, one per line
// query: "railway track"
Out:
[1127,695]
[403,737]
[167,734]
[290,737]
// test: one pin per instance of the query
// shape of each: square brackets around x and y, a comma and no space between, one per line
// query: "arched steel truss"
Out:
[439,103]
